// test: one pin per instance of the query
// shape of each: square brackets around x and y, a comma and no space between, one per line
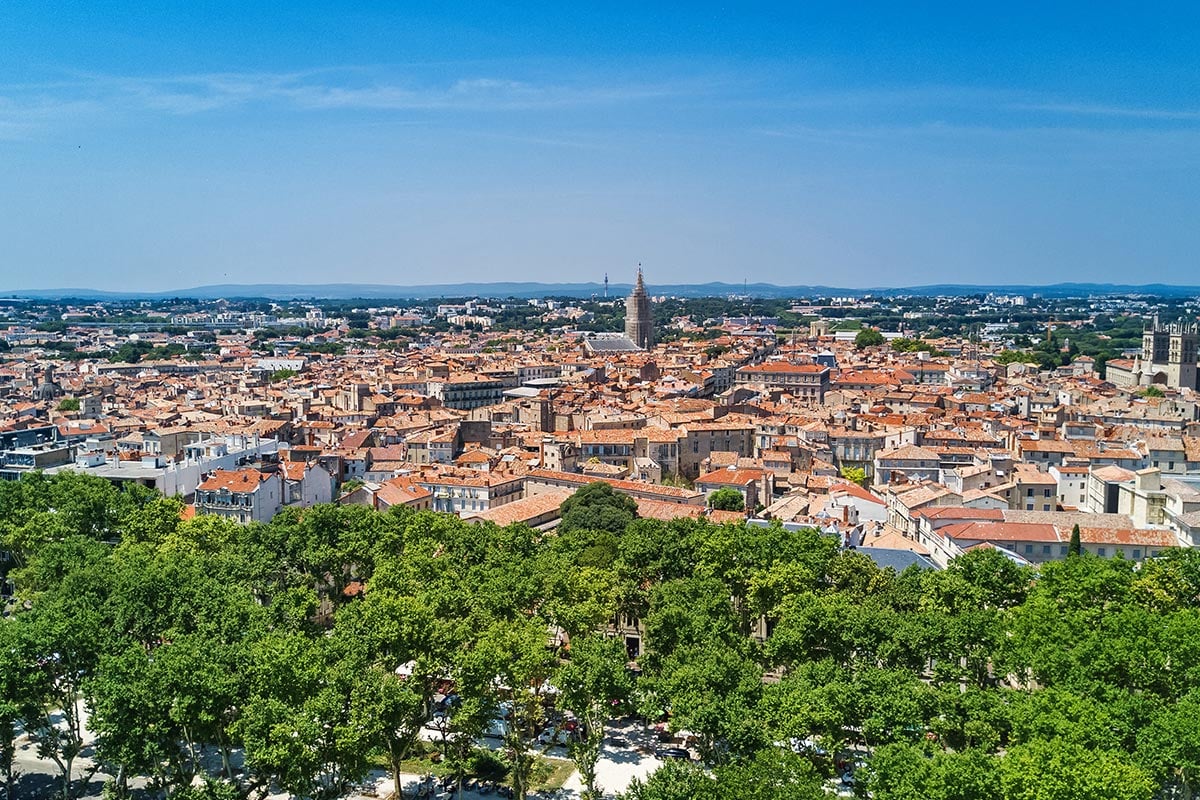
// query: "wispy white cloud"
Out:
[853,114]
[889,97]
[29,111]
[976,102]
[1017,145]
[470,94]
[22,118]
[986,122]
[941,130]
[1121,112]
[319,90]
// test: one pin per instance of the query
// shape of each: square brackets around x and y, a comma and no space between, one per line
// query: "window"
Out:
[1029,548]
[1047,492]
[1045,549]
[1029,492]
[1100,551]
[1062,551]
[1137,553]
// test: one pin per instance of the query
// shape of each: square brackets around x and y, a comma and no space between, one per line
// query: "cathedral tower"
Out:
[1181,355]
[639,321]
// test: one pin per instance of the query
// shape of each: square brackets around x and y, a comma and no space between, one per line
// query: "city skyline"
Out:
[158,149]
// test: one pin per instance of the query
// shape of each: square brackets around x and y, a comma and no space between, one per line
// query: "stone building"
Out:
[639,319]
[1168,358]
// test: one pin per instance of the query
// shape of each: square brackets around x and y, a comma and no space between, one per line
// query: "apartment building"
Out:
[807,381]
[245,495]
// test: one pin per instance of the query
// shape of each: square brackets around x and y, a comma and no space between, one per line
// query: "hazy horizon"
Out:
[533,289]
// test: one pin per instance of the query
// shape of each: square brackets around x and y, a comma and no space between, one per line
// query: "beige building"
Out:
[244,495]
[1168,359]
[807,381]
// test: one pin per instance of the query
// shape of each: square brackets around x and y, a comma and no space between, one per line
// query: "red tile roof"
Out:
[773,367]
[731,477]
[242,480]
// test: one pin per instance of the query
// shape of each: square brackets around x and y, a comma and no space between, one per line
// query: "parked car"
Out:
[553,736]
[497,728]
[808,747]
[678,753]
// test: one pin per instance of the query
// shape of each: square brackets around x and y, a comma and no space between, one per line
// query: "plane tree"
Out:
[1168,747]
[595,685]
[406,652]
[62,641]
[598,507]
[769,775]
[298,726]
[522,666]
[19,696]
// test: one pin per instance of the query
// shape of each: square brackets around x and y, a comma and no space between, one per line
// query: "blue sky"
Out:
[168,145]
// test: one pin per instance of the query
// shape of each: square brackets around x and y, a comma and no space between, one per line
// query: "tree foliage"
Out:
[598,507]
[1075,547]
[727,499]
[335,638]
[868,337]
[854,474]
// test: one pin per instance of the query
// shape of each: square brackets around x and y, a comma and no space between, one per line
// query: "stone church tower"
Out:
[1169,354]
[639,320]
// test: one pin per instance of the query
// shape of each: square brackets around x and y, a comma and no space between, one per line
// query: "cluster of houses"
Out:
[893,451]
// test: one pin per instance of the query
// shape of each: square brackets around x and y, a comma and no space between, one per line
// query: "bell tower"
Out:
[639,319]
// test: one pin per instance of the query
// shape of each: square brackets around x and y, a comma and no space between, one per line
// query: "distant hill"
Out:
[369,291]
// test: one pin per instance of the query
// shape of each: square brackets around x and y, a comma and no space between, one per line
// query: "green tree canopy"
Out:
[868,337]
[323,643]
[598,506]
[727,499]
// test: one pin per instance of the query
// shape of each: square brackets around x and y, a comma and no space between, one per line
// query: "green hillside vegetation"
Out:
[1104,338]
[987,680]
[907,345]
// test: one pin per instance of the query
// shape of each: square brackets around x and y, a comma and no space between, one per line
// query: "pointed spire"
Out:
[639,320]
